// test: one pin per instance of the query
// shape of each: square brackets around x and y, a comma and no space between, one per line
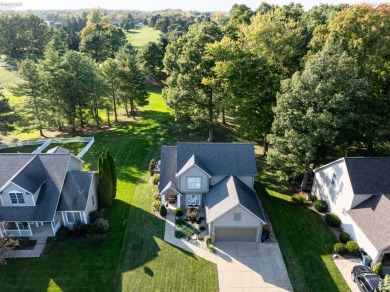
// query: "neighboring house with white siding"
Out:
[219,178]
[41,192]
[358,191]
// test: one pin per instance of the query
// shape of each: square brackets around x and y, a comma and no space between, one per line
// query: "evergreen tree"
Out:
[107,179]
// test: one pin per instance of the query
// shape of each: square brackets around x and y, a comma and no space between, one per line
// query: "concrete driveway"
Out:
[251,267]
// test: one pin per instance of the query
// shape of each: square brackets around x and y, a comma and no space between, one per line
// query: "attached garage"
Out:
[235,234]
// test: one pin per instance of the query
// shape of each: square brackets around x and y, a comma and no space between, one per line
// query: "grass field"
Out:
[140,37]
[134,256]
[305,240]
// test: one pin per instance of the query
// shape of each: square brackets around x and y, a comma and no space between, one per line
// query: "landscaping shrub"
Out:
[156,206]
[352,247]
[321,206]
[163,211]
[156,178]
[102,225]
[339,248]
[333,220]
[96,238]
[151,166]
[313,198]
[23,241]
[378,269]
[201,218]
[207,240]
[344,237]
[202,228]
[62,233]
[178,212]
[211,249]
[94,215]
[298,199]
[200,237]
[79,228]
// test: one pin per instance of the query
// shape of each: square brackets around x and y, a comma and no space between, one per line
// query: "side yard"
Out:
[304,238]
[134,256]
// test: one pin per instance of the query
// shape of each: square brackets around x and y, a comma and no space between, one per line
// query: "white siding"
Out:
[357,235]
[247,219]
[227,220]
[75,164]
[339,195]
[92,204]
[194,171]
[6,200]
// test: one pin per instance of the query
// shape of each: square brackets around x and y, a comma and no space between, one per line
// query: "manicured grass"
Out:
[134,256]
[305,240]
[140,37]
[8,69]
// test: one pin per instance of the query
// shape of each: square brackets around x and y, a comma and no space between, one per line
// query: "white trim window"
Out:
[73,217]
[194,182]
[16,198]
[193,200]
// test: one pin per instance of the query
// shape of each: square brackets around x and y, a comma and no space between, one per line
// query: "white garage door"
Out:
[235,234]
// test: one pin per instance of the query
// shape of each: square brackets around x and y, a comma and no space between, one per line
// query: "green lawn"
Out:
[8,69]
[134,256]
[140,37]
[305,240]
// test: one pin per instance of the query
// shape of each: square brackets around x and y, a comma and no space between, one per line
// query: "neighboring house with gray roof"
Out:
[41,192]
[218,177]
[357,189]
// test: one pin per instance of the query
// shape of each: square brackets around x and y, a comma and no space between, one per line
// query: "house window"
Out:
[193,200]
[73,217]
[236,216]
[194,183]
[16,198]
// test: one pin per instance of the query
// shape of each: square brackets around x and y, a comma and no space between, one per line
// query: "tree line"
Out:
[312,84]
[70,87]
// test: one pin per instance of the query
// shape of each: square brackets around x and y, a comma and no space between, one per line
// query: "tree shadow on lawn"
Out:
[305,241]
[75,265]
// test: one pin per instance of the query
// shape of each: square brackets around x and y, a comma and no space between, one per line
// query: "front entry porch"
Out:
[34,229]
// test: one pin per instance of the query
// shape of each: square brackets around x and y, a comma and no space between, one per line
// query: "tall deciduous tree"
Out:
[322,105]
[127,23]
[239,14]
[187,93]
[107,179]
[248,87]
[132,80]
[31,86]
[278,38]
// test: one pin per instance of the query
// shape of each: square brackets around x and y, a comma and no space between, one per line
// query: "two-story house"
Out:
[218,177]
[357,189]
[41,192]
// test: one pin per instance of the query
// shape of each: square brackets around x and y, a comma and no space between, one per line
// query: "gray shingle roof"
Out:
[227,194]
[369,175]
[54,169]
[58,150]
[75,192]
[31,177]
[225,159]
[191,162]
[372,217]
[168,167]
[11,164]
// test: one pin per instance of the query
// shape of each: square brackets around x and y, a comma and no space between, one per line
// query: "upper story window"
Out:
[16,198]
[194,183]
